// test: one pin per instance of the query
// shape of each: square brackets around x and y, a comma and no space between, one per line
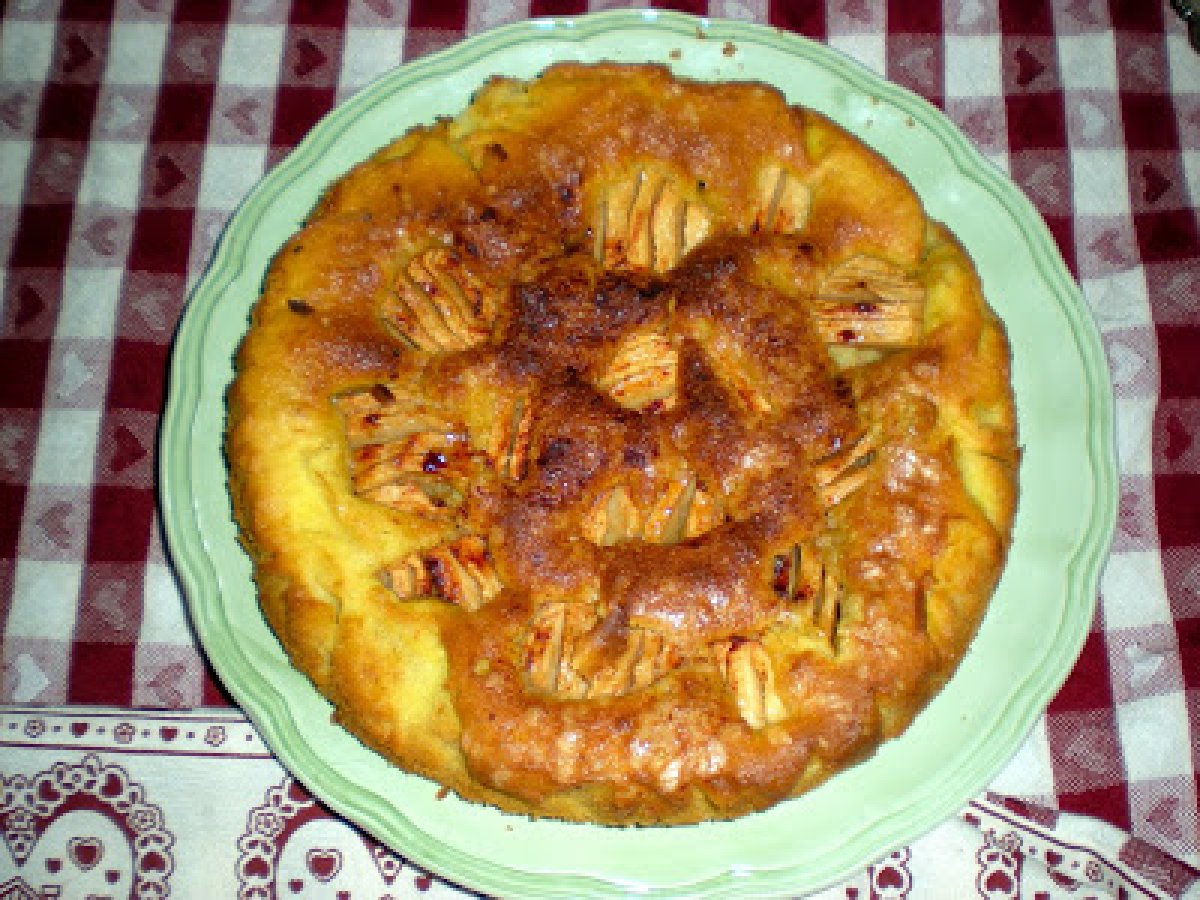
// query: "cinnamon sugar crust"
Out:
[603,458]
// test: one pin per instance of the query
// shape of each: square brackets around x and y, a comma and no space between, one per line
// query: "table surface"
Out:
[128,134]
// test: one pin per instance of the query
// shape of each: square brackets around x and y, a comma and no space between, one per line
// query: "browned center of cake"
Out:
[651,501]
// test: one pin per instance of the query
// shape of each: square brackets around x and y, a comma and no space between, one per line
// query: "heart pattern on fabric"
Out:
[1029,67]
[1179,438]
[242,116]
[1090,748]
[308,58]
[30,678]
[1155,183]
[56,522]
[76,54]
[324,864]
[30,305]
[127,449]
[293,848]
[81,853]
[12,110]
[102,235]
[14,438]
[83,830]
[121,114]
[999,867]
[85,852]
[998,882]
[1111,248]
[1164,817]
[891,877]
[1144,664]
[1093,121]
[73,374]
[323,857]
[858,10]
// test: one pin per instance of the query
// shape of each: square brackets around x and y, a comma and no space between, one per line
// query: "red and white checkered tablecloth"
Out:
[129,132]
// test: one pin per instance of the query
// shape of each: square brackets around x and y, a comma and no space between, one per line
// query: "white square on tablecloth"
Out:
[367,53]
[252,54]
[973,66]
[1099,182]
[163,617]
[14,157]
[66,449]
[1133,592]
[740,10]
[135,53]
[45,600]
[77,377]
[1135,436]
[1087,61]
[868,49]
[89,302]
[25,51]
[482,16]
[230,171]
[1155,737]
[1183,63]
[1191,167]
[1030,773]
[1120,300]
[112,173]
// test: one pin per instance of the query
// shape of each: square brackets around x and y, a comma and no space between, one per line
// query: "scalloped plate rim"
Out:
[189,547]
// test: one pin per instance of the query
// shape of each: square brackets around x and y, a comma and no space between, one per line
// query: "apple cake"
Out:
[626,449]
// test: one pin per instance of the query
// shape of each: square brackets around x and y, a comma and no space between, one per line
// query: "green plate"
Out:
[1028,641]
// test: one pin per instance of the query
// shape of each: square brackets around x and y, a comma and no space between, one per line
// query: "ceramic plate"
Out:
[1028,641]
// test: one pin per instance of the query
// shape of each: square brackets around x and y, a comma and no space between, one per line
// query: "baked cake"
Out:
[626,449]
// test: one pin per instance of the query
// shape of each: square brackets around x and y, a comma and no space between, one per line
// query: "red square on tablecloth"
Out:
[1087,687]
[1149,121]
[1178,501]
[297,109]
[161,238]
[1026,17]
[12,502]
[120,526]
[1168,236]
[22,370]
[138,375]
[1180,370]
[100,673]
[41,236]
[1035,122]
[66,111]
[183,112]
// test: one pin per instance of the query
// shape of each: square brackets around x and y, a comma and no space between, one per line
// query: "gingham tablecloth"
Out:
[129,131]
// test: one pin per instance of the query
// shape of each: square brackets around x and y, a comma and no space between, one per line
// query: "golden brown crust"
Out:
[602,458]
